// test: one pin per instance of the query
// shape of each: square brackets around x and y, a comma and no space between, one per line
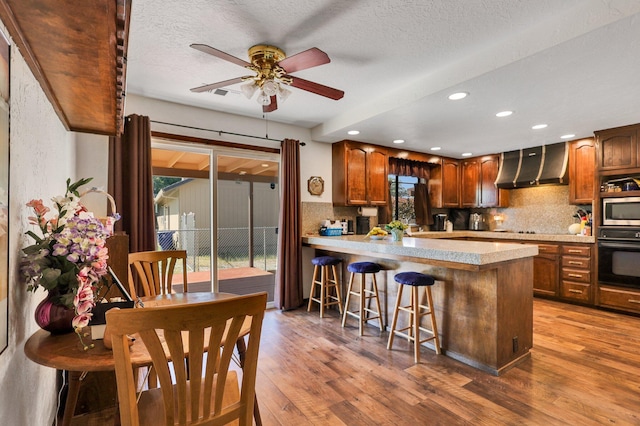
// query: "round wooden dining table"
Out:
[65,351]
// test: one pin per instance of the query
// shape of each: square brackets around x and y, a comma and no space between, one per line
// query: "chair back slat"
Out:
[205,334]
[154,271]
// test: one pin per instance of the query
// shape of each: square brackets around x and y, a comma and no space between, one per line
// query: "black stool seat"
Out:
[414,278]
[364,268]
[326,260]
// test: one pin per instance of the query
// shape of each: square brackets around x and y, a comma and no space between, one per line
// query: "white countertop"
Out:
[561,238]
[447,250]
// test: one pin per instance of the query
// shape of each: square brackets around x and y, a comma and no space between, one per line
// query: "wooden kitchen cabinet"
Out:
[618,148]
[546,270]
[360,174]
[625,299]
[469,184]
[489,195]
[576,273]
[582,159]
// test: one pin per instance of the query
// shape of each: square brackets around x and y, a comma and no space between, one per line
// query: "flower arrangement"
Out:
[69,260]
[396,224]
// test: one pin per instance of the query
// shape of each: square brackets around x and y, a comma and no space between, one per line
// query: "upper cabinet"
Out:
[450,183]
[360,174]
[618,148]
[488,193]
[582,159]
[469,184]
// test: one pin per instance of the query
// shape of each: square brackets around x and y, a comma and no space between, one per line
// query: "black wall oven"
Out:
[619,256]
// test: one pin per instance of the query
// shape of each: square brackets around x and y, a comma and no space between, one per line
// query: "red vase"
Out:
[54,318]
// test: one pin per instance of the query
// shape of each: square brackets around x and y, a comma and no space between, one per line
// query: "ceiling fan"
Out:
[272,68]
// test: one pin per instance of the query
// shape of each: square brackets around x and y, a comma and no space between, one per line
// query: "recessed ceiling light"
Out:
[264,165]
[398,141]
[458,96]
[539,126]
[242,172]
[436,148]
[569,136]
[467,154]
[504,113]
[353,132]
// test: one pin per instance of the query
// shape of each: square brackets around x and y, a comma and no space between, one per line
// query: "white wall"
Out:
[42,157]
[315,157]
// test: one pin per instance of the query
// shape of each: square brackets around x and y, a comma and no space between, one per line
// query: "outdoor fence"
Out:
[233,247]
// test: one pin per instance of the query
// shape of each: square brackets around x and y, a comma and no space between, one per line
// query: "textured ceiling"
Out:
[571,64]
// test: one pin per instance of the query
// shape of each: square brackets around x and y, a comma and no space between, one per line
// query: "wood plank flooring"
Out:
[584,370]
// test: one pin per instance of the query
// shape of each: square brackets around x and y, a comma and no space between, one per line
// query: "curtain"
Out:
[422,205]
[131,182]
[288,293]
[402,167]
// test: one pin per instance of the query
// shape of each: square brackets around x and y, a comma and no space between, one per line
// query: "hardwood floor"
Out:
[584,370]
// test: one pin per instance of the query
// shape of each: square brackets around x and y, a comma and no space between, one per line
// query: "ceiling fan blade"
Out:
[220,54]
[209,87]
[272,106]
[318,89]
[303,60]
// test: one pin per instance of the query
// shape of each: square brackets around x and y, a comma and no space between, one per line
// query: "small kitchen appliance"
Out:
[362,225]
[439,222]
[476,222]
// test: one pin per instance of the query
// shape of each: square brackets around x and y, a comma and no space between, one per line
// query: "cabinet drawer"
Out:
[615,298]
[575,291]
[548,248]
[576,250]
[576,262]
[578,275]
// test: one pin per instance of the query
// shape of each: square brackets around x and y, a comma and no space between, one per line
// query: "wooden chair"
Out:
[189,331]
[154,270]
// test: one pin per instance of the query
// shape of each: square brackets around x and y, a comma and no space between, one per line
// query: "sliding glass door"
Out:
[234,203]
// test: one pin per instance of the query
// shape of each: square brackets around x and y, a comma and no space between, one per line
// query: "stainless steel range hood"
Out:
[541,165]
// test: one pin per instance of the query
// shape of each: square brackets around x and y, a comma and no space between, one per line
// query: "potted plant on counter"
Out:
[397,229]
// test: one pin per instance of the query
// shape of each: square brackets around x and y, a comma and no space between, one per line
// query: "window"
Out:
[402,193]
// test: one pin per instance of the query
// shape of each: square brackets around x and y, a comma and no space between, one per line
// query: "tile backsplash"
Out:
[543,210]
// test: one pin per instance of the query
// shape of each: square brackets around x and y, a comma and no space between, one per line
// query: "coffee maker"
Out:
[439,222]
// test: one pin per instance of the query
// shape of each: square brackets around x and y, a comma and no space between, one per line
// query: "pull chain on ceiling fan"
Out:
[272,68]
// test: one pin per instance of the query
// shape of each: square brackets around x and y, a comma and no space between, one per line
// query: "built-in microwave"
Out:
[621,211]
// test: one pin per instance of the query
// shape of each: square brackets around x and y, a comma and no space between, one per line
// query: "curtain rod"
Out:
[221,132]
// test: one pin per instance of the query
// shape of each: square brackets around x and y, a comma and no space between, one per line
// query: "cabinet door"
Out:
[356,185]
[546,274]
[490,195]
[618,148]
[582,158]
[450,183]
[378,179]
[469,184]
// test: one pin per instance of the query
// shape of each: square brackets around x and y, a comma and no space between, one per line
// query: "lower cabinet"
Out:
[576,273]
[619,298]
[546,270]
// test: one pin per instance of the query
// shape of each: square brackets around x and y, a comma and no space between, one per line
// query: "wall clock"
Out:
[315,185]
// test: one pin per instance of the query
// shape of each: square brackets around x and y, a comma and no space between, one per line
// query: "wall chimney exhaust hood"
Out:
[541,165]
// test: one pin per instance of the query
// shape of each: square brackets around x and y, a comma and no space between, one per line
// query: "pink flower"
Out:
[81,320]
[38,207]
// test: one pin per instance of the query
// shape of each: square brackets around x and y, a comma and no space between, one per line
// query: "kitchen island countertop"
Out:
[456,252]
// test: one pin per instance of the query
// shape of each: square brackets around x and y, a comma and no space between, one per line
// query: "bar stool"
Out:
[364,312]
[326,265]
[416,312]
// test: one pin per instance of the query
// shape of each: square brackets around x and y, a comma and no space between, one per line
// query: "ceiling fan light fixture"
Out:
[249,89]
[283,93]
[263,99]
[270,87]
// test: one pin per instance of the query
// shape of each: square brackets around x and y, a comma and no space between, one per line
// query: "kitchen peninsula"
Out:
[483,294]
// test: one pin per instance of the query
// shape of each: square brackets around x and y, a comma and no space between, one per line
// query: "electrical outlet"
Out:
[515,344]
